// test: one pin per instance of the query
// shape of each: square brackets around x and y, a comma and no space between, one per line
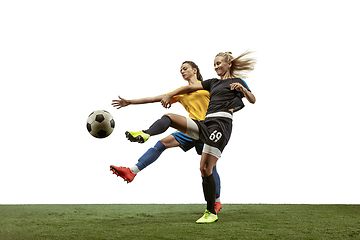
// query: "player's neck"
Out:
[193,80]
[226,76]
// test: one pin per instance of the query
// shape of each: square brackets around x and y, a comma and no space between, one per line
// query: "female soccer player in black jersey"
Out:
[226,96]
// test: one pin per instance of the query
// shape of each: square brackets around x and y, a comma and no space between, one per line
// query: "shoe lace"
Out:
[206,214]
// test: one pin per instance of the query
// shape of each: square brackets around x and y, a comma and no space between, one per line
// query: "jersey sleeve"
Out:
[207,84]
[242,82]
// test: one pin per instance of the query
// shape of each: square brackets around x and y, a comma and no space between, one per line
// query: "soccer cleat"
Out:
[139,137]
[217,207]
[123,172]
[208,217]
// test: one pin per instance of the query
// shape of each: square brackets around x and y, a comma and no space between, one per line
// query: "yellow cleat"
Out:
[139,137]
[208,217]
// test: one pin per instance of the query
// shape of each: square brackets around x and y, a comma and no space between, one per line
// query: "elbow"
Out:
[252,100]
[250,97]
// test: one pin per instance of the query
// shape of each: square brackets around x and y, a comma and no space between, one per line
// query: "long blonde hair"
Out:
[239,65]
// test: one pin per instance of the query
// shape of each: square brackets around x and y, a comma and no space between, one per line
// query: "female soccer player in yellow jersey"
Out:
[196,104]
[215,130]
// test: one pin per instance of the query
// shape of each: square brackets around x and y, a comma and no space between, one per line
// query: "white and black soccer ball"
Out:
[100,124]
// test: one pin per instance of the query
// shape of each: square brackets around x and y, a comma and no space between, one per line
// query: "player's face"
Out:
[187,71]
[221,66]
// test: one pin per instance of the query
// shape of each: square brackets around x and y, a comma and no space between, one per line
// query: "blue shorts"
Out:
[186,142]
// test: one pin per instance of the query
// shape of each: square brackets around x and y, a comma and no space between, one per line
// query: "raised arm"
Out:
[122,102]
[166,100]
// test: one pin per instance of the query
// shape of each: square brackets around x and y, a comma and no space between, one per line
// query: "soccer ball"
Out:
[100,124]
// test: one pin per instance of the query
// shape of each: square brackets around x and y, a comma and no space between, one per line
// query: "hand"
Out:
[166,101]
[249,96]
[120,103]
[238,87]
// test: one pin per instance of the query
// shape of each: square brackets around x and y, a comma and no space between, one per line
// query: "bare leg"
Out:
[170,142]
[206,164]
[178,122]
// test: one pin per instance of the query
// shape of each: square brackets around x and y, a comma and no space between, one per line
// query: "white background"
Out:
[61,60]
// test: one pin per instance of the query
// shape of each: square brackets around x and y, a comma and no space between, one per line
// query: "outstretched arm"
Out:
[166,101]
[122,102]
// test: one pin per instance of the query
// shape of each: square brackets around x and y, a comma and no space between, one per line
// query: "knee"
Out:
[205,171]
[164,142]
[169,115]
[160,146]
[170,142]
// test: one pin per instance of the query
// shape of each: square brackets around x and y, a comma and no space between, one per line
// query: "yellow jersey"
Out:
[195,103]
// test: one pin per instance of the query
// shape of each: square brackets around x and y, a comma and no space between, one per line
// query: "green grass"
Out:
[236,221]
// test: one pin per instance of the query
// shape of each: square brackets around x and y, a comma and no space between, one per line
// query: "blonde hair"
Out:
[239,65]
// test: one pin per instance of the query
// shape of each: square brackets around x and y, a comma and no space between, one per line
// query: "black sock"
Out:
[209,188]
[159,126]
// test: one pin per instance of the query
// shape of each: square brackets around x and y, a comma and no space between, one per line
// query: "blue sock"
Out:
[151,155]
[217,181]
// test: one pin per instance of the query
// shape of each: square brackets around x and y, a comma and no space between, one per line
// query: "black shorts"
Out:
[214,131]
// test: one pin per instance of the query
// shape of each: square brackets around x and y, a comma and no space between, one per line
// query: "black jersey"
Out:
[221,97]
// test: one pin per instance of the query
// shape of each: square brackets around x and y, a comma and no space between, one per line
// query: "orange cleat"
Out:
[217,207]
[123,172]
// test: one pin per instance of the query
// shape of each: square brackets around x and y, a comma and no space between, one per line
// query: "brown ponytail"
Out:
[193,65]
